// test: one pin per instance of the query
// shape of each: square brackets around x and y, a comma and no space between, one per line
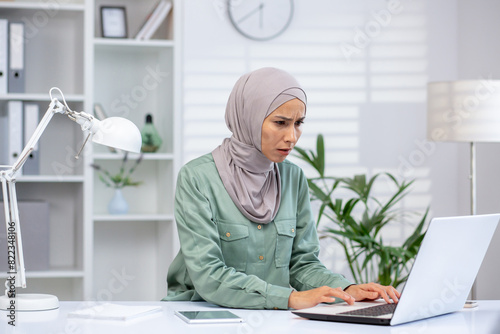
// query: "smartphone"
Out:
[470,304]
[208,317]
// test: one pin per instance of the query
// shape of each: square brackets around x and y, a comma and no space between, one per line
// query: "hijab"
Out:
[250,178]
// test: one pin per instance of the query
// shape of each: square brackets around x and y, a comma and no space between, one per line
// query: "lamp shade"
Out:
[463,111]
[119,133]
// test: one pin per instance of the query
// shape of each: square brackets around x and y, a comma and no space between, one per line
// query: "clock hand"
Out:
[259,8]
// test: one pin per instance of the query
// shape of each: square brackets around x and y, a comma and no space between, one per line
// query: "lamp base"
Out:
[30,302]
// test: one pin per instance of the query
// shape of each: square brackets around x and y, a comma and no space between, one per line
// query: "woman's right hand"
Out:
[324,294]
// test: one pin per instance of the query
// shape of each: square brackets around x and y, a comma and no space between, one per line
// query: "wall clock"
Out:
[260,20]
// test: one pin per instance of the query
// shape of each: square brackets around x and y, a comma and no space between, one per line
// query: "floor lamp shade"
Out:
[463,111]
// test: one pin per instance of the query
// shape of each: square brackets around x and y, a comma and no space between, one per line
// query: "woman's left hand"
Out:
[372,291]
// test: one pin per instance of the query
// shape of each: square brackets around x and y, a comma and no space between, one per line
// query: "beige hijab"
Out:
[252,180]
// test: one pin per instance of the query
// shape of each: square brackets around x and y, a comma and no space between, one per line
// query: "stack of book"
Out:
[154,20]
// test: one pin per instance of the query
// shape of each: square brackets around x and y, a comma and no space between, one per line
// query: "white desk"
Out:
[484,319]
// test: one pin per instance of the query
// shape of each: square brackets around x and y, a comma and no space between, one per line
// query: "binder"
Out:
[16,57]
[4,47]
[15,131]
[35,223]
[31,119]
[4,135]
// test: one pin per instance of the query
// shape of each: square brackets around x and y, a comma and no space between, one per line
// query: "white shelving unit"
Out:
[95,255]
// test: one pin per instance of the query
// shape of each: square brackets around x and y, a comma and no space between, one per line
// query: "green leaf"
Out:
[303,155]
[318,193]
[320,151]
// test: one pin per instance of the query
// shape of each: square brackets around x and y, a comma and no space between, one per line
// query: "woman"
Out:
[247,233]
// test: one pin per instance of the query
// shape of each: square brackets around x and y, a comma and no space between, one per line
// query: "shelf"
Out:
[134,217]
[134,156]
[129,78]
[40,97]
[53,273]
[51,179]
[132,43]
[41,6]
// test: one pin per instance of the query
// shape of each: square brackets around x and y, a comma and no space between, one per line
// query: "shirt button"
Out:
[259,227]
[228,234]
[293,230]
[261,258]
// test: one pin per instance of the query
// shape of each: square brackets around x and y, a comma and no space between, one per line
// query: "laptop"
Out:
[440,279]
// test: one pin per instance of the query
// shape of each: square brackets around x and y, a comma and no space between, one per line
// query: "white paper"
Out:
[114,312]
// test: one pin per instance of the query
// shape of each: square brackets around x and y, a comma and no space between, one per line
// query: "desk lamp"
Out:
[464,111]
[115,132]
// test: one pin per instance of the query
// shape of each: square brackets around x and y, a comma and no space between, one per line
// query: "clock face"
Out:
[260,19]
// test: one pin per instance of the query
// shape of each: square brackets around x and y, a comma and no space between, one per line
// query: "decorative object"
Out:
[260,20]
[113,22]
[357,220]
[114,131]
[151,140]
[464,111]
[118,203]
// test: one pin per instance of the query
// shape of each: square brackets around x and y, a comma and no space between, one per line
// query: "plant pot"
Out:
[118,204]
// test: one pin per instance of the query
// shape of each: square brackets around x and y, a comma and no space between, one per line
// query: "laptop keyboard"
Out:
[372,311]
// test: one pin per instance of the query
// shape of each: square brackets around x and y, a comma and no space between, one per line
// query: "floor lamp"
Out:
[464,111]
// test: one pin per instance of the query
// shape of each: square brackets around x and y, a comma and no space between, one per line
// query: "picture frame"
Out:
[114,22]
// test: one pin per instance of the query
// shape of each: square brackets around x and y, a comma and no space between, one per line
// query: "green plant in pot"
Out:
[356,220]
[118,204]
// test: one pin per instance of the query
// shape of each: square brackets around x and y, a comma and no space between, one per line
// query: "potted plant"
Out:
[356,221]
[118,181]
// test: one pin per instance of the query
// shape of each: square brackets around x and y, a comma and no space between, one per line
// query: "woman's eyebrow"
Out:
[289,119]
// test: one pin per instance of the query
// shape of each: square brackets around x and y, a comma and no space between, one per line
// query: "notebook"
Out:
[440,279]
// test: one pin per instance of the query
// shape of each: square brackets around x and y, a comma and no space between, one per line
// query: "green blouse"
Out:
[230,261]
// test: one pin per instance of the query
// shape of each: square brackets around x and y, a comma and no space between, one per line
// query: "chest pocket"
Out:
[234,245]
[285,229]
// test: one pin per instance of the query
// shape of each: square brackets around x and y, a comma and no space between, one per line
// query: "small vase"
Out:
[118,204]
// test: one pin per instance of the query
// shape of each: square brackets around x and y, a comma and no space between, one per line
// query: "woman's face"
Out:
[282,129]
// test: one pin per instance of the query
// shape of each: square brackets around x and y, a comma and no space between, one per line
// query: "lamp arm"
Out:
[15,254]
[15,257]
[88,123]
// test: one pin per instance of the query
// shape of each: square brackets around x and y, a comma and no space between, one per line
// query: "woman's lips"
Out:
[285,151]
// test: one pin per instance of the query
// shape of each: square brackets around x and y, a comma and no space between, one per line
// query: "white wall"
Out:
[370,106]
